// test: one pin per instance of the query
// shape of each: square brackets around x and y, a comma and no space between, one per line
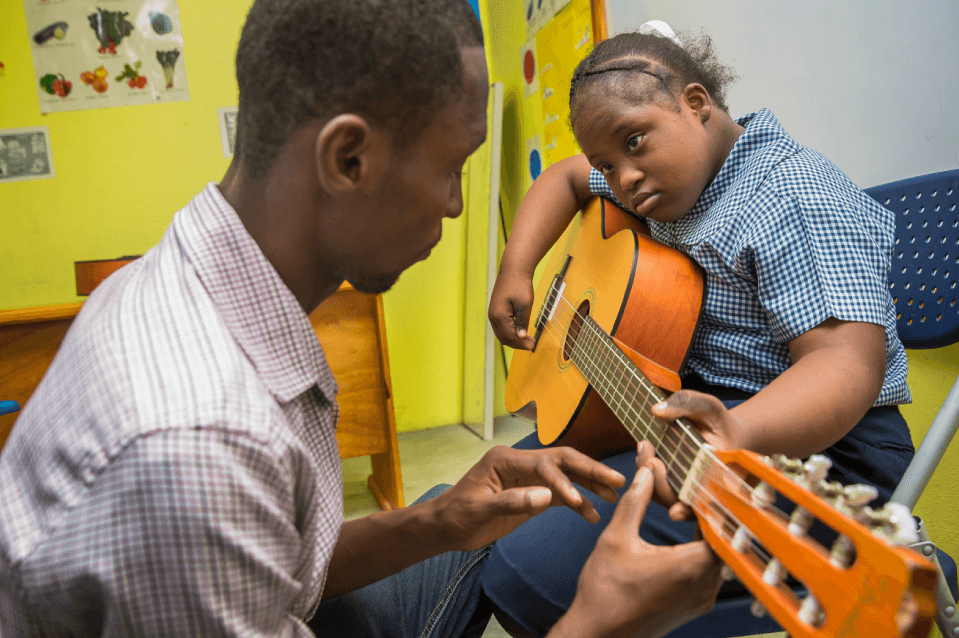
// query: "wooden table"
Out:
[351,327]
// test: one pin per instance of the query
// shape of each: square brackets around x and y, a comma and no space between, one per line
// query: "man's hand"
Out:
[629,588]
[508,486]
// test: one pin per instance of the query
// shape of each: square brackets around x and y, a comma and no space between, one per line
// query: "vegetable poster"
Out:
[90,54]
[560,45]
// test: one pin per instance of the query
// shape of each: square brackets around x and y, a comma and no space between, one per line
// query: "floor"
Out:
[430,457]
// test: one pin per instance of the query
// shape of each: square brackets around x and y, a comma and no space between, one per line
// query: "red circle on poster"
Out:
[529,66]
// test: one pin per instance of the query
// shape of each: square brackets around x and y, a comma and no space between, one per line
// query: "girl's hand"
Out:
[509,309]
[717,425]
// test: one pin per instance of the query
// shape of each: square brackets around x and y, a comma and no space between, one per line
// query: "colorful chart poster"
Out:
[95,54]
[25,154]
[227,117]
[538,14]
[560,45]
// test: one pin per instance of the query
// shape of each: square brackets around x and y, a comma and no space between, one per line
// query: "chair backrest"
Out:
[925,263]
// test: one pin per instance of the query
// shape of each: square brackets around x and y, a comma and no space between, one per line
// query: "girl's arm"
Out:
[550,204]
[837,372]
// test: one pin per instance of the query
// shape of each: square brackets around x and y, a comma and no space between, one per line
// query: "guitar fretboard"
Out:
[630,395]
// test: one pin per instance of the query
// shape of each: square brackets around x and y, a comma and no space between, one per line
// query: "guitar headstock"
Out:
[868,583]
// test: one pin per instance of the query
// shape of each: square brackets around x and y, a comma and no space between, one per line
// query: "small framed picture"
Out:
[25,153]
[227,117]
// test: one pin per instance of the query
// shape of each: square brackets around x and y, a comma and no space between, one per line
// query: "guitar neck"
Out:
[630,395]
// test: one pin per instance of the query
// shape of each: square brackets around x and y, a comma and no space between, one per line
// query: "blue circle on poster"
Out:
[535,164]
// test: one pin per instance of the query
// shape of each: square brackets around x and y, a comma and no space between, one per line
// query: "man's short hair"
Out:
[395,62]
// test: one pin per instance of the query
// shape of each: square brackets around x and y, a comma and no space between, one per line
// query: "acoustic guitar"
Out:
[617,312]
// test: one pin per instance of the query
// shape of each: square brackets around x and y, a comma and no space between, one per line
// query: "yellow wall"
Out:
[931,375]
[121,173]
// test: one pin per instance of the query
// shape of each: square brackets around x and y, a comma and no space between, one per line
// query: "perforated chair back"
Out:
[925,262]
[923,281]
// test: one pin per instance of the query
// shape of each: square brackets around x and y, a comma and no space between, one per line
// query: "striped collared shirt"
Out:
[176,472]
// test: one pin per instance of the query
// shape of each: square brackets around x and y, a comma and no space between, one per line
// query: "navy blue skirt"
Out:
[531,574]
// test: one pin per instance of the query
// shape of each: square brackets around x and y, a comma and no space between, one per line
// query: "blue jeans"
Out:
[531,574]
[437,598]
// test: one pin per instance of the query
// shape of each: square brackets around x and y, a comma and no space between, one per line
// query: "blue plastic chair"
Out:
[6,407]
[923,280]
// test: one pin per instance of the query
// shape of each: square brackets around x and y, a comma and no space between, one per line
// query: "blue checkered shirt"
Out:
[786,241]
[176,472]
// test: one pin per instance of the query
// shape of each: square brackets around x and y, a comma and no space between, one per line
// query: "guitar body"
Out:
[646,295]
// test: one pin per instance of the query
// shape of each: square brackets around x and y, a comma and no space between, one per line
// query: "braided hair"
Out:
[616,62]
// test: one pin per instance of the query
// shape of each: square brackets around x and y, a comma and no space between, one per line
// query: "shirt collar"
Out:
[261,313]
[763,144]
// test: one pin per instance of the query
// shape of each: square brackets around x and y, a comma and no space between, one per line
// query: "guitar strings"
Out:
[682,449]
[730,523]
[681,453]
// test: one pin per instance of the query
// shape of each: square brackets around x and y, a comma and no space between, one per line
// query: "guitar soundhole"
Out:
[574,326]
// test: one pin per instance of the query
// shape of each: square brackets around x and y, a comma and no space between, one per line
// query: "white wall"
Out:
[871,84]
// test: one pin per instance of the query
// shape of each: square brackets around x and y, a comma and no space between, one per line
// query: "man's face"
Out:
[401,220]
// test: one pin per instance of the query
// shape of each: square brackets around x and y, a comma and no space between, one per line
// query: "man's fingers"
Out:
[600,479]
[528,501]
[646,457]
[679,511]
[632,506]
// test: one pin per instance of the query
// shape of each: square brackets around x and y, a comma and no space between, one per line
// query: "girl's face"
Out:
[657,159]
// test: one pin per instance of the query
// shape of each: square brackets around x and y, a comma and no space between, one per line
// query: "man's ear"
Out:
[344,149]
[699,101]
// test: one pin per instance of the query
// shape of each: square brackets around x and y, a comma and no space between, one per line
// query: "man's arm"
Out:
[184,533]
[504,489]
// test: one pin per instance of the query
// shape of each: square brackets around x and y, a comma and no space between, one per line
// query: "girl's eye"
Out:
[605,169]
[634,141]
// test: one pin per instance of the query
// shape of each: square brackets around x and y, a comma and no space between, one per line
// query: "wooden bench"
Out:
[351,327]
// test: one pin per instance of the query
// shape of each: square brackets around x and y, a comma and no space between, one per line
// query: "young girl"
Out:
[796,350]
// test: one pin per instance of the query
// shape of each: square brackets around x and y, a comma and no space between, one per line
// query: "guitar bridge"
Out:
[551,302]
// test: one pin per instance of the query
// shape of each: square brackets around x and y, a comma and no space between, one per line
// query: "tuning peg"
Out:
[757,609]
[728,573]
[793,467]
[842,553]
[816,468]
[774,573]
[900,526]
[800,521]
[832,492]
[763,494]
[741,539]
[811,612]
[859,494]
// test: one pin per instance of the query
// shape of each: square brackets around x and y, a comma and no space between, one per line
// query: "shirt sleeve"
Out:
[599,186]
[186,533]
[822,257]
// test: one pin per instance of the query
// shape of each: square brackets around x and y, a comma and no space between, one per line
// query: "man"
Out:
[176,472]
